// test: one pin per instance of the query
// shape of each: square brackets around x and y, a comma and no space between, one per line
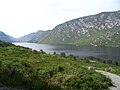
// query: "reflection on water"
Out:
[111,53]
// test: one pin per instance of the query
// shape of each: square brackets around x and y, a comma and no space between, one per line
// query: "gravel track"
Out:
[115,79]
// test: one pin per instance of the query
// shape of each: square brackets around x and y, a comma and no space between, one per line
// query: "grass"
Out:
[25,68]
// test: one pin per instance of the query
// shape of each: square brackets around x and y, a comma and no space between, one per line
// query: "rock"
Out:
[91,68]
[108,69]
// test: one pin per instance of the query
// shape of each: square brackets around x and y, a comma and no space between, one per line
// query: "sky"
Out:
[20,17]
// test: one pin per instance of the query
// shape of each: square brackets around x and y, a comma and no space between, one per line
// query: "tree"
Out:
[116,63]
[63,54]
[54,52]
[41,50]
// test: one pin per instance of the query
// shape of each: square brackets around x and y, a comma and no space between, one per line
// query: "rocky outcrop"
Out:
[92,27]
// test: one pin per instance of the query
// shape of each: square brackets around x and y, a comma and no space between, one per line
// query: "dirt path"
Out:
[115,79]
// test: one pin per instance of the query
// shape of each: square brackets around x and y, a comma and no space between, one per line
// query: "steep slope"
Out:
[12,38]
[32,37]
[26,38]
[4,37]
[39,35]
[5,44]
[107,37]
[80,30]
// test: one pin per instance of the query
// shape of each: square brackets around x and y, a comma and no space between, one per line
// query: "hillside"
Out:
[31,70]
[26,38]
[5,44]
[99,30]
[12,38]
[39,35]
[32,37]
[4,37]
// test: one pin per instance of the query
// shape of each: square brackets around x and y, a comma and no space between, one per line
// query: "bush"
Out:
[109,61]
[72,56]
[63,54]
[88,81]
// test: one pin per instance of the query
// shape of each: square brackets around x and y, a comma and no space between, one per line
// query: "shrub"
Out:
[63,54]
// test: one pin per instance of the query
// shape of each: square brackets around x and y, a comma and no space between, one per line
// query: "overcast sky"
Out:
[20,17]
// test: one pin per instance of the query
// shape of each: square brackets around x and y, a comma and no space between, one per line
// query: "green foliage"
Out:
[87,81]
[109,61]
[32,70]
[63,54]
[42,51]
[54,52]
[116,63]
[5,44]
[72,56]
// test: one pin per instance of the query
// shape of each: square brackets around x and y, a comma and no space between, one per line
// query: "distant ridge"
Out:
[99,30]
[33,37]
[4,37]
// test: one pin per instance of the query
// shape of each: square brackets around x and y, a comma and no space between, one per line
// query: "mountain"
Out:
[39,35]
[4,37]
[12,38]
[99,30]
[26,38]
[33,37]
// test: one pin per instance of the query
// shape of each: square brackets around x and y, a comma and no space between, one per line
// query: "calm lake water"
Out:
[111,53]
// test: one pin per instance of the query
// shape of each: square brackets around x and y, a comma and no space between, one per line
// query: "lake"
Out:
[110,53]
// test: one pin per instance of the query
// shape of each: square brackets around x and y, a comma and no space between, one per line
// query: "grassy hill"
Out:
[5,44]
[25,68]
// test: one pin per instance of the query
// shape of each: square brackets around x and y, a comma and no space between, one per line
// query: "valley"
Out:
[97,30]
[68,57]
